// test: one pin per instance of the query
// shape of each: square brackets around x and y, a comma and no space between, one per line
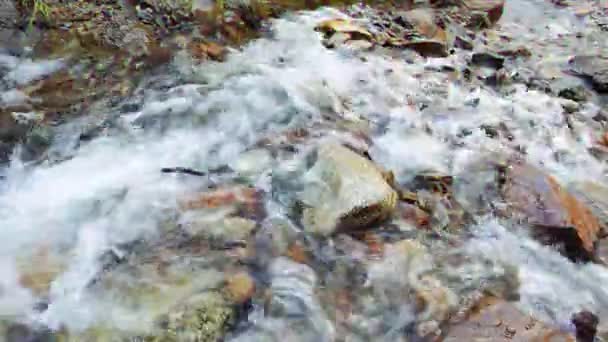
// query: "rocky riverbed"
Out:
[316,171]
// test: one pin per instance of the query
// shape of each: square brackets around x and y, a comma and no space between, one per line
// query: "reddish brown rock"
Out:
[492,8]
[586,325]
[208,50]
[247,202]
[558,217]
[497,320]
[433,39]
[240,287]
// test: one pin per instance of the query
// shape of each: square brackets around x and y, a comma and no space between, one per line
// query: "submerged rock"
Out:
[556,216]
[346,192]
[497,320]
[292,311]
[593,67]
[202,318]
[22,333]
[223,215]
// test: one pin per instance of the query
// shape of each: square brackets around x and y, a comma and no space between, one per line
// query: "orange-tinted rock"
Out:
[492,8]
[557,216]
[240,287]
[433,42]
[208,50]
[298,253]
[158,55]
[248,201]
[497,320]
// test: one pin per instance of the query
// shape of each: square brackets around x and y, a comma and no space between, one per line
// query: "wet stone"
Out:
[488,59]
[492,8]
[577,93]
[593,67]
[595,197]
[23,333]
[586,326]
[463,43]
[497,320]
[352,193]
[557,217]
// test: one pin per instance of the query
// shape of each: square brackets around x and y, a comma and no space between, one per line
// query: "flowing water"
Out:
[85,198]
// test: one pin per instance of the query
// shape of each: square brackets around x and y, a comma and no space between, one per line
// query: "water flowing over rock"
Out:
[349,193]
[496,320]
[293,308]
[595,197]
[176,170]
[593,67]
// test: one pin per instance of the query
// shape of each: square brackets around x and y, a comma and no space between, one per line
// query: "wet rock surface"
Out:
[593,67]
[496,320]
[556,216]
[220,171]
[352,191]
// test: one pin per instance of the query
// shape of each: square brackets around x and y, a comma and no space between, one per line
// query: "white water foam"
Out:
[110,190]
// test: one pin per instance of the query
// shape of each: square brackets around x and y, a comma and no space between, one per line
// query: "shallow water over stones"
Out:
[100,245]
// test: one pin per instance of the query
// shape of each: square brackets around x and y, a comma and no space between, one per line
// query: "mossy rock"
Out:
[205,317]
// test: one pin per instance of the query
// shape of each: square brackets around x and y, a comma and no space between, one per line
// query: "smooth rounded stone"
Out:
[498,320]
[344,191]
[569,106]
[557,217]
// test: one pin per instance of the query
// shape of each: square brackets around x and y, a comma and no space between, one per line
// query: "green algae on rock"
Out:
[202,318]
